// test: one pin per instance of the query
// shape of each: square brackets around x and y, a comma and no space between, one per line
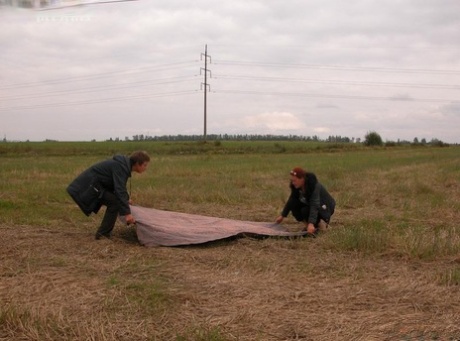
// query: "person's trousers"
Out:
[302,212]
[111,213]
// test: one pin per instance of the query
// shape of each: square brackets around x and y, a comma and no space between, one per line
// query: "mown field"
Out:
[387,269]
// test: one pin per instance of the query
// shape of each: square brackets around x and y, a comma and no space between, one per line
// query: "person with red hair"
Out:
[309,201]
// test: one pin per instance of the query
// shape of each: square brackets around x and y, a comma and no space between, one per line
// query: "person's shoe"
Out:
[102,236]
[322,226]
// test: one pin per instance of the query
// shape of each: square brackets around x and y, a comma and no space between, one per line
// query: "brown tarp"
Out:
[156,227]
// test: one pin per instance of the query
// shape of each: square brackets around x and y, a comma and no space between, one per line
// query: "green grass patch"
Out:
[366,236]
[428,243]
[202,333]
[450,277]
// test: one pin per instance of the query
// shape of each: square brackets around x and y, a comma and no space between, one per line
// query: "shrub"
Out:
[372,138]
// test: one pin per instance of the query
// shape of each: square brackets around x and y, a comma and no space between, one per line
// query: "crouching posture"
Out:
[309,201]
[104,183]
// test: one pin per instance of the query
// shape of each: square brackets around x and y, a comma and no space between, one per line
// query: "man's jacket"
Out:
[109,175]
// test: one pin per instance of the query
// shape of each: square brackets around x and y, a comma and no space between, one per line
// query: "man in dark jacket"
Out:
[309,201]
[105,184]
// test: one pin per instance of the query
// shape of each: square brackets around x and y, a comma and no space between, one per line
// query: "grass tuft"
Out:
[450,277]
[202,333]
[366,236]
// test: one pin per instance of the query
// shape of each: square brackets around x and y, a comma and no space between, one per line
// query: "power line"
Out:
[335,67]
[178,79]
[97,101]
[293,94]
[97,75]
[163,81]
[331,81]
[49,8]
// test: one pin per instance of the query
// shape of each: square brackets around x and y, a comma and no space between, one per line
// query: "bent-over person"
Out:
[309,201]
[104,183]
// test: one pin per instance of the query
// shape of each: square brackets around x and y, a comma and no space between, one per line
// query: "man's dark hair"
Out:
[139,157]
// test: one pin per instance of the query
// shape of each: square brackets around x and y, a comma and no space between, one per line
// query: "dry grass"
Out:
[388,269]
[60,285]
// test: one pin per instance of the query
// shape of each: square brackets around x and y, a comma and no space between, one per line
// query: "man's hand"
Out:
[130,219]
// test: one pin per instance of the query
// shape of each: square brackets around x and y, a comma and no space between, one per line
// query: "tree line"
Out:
[371,139]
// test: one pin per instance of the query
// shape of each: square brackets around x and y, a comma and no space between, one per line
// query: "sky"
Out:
[282,67]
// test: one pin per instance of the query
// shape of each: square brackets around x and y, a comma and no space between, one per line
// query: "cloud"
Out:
[322,130]
[326,106]
[319,66]
[451,110]
[401,97]
[271,122]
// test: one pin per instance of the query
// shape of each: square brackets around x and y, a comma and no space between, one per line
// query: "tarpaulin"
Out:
[156,227]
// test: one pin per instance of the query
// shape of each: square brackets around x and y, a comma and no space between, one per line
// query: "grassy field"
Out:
[387,269]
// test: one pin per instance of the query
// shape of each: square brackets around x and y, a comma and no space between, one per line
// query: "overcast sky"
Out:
[304,67]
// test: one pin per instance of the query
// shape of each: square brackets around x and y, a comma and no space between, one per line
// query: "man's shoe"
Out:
[102,236]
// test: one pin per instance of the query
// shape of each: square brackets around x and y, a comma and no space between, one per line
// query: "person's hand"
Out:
[311,228]
[130,219]
[279,219]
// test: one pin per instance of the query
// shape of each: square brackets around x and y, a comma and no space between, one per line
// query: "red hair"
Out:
[298,172]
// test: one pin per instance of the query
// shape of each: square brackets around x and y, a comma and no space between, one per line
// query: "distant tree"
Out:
[438,143]
[423,141]
[372,138]
[415,140]
[390,144]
